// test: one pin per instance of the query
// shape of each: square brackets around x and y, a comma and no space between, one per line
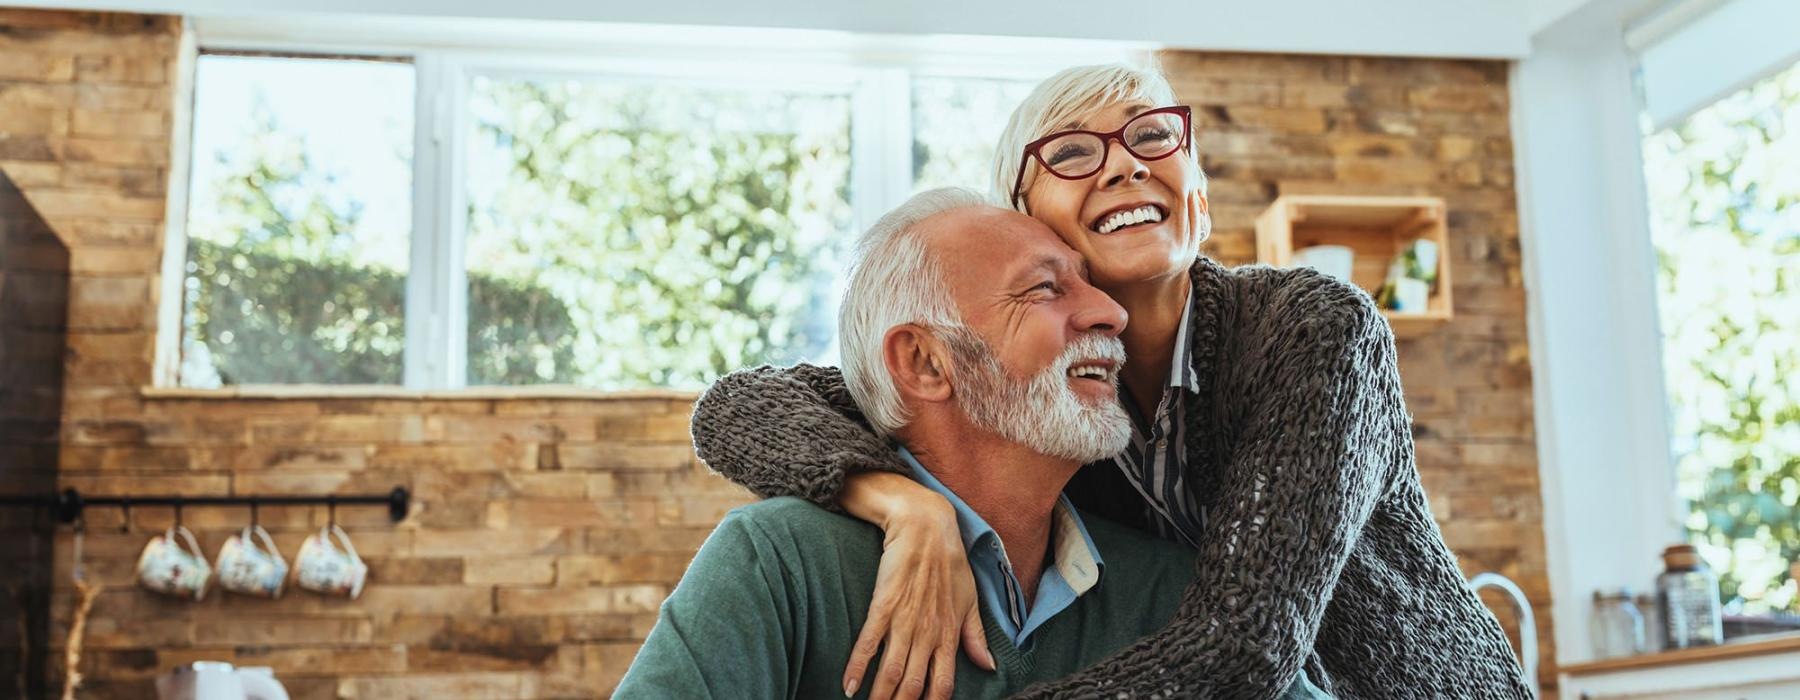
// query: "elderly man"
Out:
[971,337]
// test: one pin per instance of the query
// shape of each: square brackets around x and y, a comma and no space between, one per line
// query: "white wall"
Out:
[1541,14]
[1589,269]
[1464,28]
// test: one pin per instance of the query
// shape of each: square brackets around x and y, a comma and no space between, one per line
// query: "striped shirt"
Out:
[1153,461]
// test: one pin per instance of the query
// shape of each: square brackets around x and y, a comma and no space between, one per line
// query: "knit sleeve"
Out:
[1322,429]
[788,431]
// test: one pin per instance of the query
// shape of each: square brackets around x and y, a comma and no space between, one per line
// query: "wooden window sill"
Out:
[1747,647]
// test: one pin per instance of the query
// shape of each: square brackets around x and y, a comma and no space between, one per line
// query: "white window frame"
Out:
[877,73]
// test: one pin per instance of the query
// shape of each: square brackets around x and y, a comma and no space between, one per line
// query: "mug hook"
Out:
[80,533]
[125,514]
[331,510]
[178,513]
[253,514]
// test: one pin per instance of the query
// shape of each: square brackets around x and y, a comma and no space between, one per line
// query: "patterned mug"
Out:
[168,567]
[245,567]
[324,567]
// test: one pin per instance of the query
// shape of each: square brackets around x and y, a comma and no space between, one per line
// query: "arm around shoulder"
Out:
[788,431]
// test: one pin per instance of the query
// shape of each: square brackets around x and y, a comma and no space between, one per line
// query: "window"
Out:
[956,122]
[1725,200]
[298,224]
[631,234]
[604,223]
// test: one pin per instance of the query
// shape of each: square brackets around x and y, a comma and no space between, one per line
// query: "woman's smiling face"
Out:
[1133,220]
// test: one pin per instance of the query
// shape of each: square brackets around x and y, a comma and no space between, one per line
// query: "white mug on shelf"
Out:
[325,567]
[166,566]
[250,564]
[1411,295]
[1333,260]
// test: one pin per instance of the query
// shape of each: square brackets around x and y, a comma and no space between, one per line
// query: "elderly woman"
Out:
[1269,434]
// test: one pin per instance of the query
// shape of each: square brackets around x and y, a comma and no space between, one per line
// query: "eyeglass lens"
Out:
[1076,154]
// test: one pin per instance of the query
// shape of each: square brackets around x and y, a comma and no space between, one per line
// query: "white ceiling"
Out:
[1456,28]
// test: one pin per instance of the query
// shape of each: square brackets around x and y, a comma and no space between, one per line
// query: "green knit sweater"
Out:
[774,600]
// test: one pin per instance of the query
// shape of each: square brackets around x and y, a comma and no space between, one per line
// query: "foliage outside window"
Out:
[668,234]
[956,122]
[298,222]
[1725,198]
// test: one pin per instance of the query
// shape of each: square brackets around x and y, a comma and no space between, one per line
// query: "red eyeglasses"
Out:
[1072,155]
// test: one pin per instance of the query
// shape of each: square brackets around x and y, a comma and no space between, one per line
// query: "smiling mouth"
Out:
[1125,218]
[1097,371]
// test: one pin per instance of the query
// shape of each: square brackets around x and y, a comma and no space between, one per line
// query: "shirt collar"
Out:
[1181,361]
[1077,559]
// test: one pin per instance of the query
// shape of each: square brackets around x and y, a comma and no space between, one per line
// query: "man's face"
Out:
[1039,360]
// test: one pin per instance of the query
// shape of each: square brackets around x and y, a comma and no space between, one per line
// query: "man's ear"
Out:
[918,362]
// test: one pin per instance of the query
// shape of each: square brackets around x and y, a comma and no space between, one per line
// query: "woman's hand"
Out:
[924,602]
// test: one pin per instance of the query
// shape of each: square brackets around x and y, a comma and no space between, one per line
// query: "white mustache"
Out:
[1093,346]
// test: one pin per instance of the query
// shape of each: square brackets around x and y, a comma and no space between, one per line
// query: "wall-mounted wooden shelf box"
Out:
[1374,228]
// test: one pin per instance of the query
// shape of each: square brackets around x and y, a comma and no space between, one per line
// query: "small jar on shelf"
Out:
[1653,627]
[1618,627]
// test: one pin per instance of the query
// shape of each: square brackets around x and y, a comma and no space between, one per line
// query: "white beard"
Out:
[1043,414]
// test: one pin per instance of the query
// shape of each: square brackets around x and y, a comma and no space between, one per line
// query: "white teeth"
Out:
[1128,217]
[1089,372]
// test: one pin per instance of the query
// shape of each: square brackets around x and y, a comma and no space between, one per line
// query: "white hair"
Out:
[893,281]
[1066,97]
[1041,412]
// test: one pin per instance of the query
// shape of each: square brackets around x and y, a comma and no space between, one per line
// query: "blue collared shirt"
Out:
[1075,569]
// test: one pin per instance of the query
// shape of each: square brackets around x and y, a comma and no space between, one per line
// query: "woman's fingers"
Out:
[943,669]
[918,666]
[974,639]
[922,580]
[893,662]
[867,643]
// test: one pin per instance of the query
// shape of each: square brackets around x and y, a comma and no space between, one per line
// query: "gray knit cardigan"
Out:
[1319,550]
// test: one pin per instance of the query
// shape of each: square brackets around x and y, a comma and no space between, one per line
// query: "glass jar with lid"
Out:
[1687,594]
[1618,627]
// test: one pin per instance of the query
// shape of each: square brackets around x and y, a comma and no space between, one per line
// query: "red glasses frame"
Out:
[1032,150]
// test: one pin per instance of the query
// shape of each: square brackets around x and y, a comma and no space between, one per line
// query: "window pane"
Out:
[299,214]
[638,235]
[955,124]
[1725,200]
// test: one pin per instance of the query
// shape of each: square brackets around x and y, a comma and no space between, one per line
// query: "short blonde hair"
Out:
[1066,97]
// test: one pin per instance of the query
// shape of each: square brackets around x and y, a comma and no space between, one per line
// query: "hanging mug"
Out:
[324,567]
[168,567]
[249,568]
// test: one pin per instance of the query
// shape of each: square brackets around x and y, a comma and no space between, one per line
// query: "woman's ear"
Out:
[1197,214]
[918,362]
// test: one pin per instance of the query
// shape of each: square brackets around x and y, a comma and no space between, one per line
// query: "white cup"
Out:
[1411,295]
[322,566]
[250,568]
[1333,260]
[166,566]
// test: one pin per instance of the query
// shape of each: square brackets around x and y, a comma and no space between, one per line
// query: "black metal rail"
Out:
[68,505]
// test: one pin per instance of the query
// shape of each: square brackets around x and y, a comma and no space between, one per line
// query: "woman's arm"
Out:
[795,431]
[788,431]
[1324,429]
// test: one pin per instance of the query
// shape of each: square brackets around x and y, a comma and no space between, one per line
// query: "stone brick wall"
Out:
[546,530]
[1272,125]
